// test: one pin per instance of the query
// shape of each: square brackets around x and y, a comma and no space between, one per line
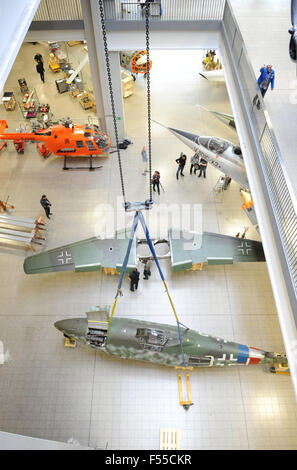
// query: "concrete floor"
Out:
[51,392]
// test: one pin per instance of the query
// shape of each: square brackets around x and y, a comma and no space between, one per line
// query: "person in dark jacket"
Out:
[181,164]
[134,278]
[40,69]
[202,165]
[156,181]
[38,57]
[46,205]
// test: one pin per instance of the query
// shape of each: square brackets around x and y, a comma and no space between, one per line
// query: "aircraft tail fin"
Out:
[3,126]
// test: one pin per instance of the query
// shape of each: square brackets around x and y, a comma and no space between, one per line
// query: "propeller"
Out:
[293,31]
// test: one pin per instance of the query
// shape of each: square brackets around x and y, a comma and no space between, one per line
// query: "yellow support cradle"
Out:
[70,343]
[184,403]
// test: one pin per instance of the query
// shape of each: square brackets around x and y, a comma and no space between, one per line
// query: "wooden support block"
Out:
[30,247]
[196,267]
[111,271]
[127,84]
[74,93]
[40,221]
[169,439]
[73,43]
[190,368]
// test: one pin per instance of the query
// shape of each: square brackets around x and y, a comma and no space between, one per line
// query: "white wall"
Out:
[10,441]
[15,19]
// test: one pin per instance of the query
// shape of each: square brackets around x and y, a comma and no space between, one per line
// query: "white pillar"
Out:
[94,37]
[115,69]
[92,52]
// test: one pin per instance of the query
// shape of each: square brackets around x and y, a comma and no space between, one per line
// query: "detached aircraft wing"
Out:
[86,255]
[188,249]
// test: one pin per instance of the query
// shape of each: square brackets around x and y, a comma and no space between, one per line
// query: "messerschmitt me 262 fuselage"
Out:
[159,343]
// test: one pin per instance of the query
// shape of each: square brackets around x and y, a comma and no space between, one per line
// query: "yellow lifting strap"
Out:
[171,303]
[112,312]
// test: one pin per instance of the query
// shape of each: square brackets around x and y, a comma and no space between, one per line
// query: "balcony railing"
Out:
[166,10]
[59,10]
[276,179]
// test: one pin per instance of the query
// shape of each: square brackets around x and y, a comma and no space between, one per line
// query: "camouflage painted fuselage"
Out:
[159,343]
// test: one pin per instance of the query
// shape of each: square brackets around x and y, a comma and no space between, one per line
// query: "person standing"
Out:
[147,269]
[46,205]
[38,57]
[134,279]
[194,163]
[266,78]
[181,164]
[144,160]
[156,181]
[40,69]
[202,165]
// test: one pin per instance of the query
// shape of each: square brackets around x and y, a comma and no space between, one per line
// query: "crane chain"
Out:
[111,95]
[148,88]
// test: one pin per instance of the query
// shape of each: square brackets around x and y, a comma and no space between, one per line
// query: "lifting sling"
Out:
[139,217]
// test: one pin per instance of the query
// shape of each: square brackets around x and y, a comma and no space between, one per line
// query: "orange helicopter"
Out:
[67,140]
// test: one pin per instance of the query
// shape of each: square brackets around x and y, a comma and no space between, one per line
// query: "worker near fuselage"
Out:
[134,279]
[146,269]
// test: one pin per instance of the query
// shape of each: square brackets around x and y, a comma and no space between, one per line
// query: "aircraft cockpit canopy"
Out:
[203,141]
[214,144]
[100,141]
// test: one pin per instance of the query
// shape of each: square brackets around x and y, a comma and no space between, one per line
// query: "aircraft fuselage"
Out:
[159,343]
[222,154]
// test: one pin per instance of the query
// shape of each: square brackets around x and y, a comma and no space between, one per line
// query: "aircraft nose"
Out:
[73,327]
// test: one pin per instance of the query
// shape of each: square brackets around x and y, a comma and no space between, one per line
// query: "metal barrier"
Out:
[136,11]
[281,194]
[59,10]
[168,10]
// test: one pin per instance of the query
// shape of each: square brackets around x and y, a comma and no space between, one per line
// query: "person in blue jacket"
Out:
[266,78]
